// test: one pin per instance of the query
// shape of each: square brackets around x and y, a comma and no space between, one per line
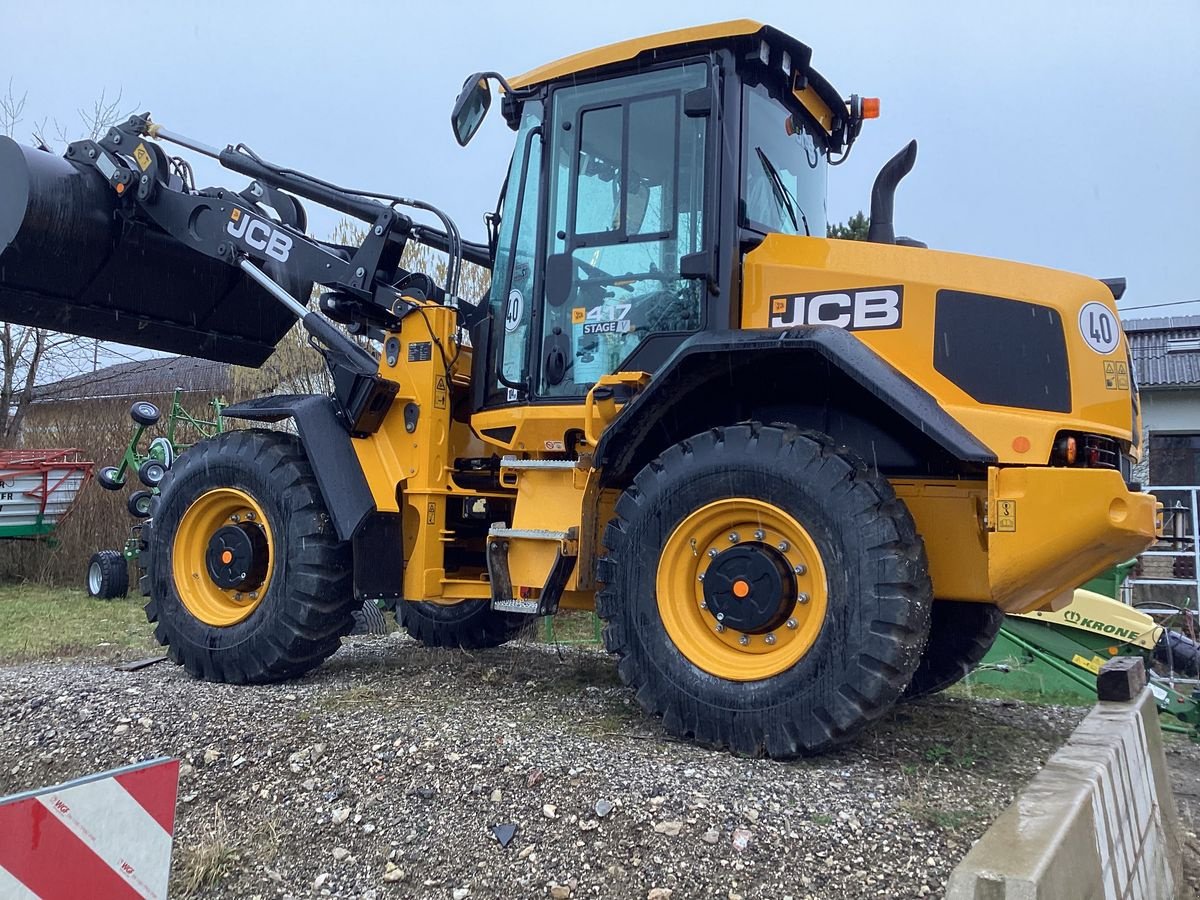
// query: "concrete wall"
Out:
[1098,821]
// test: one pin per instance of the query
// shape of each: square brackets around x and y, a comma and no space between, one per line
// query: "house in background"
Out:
[137,379]
[1166,363]
[1165,353]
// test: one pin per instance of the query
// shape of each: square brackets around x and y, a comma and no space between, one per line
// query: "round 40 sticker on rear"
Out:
[1099,327]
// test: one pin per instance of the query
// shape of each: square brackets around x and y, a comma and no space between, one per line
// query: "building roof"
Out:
[1158,364]
[140,377]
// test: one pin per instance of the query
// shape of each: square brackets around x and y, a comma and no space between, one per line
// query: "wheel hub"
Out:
[750,588]
[741,589]
[222,556]
[237,557]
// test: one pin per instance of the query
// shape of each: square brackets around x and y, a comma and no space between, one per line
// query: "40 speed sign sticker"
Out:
[1099,327]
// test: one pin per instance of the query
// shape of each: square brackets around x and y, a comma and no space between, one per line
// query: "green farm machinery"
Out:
[108,571]
[1059,652]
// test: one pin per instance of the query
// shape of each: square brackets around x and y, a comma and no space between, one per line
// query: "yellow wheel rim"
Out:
[698,543]
[201,594]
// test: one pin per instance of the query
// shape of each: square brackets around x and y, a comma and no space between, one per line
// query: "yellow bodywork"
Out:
[786,265]
[1058,526]
[1022,538]
[626,50]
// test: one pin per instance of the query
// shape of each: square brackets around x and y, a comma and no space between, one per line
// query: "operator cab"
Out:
[642,171]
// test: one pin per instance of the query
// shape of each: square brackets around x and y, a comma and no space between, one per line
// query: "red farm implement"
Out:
[38,488]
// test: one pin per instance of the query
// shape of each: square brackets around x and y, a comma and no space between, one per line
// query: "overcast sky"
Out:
[1060,133]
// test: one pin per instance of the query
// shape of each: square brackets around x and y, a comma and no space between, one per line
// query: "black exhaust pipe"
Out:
[883,194]
[74,258]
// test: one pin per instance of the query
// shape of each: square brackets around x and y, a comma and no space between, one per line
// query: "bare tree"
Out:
[32,356]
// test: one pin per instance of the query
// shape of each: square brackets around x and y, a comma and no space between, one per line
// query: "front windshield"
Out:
[783,168]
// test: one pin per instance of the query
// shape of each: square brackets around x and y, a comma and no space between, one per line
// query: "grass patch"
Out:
[208,861]
[946,819]
[969,691]
[38,622]
[572,626]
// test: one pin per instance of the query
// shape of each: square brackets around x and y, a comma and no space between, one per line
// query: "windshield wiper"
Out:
[782,194]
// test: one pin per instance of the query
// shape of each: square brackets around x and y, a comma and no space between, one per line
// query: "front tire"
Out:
[248,581]
[960,635]
[814,566]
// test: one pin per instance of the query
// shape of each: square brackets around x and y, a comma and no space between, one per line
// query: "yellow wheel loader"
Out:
[796,477]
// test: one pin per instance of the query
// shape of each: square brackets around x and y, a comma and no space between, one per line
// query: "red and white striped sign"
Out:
[107,835]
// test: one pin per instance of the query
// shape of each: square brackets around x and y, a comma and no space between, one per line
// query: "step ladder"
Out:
[501,541]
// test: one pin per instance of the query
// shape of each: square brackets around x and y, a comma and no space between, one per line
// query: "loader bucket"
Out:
[72,259]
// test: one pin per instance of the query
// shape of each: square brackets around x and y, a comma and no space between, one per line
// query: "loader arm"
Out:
[260,232]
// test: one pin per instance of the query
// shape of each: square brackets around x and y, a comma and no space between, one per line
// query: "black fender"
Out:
[327,443]
[817,376]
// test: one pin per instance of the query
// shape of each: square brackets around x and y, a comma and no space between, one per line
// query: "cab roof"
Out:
[815,92]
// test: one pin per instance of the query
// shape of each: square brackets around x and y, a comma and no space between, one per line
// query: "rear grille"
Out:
[1100,452]
[1085,451]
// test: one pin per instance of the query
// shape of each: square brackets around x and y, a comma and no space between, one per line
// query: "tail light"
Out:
[1087,451]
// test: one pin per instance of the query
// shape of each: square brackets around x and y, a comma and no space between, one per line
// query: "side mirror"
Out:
[470,108]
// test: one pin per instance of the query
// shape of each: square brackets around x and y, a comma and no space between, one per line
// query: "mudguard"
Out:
[708,357]
[327,443]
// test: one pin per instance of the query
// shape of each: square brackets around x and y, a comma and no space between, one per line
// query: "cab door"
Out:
[601,243]
[625,209]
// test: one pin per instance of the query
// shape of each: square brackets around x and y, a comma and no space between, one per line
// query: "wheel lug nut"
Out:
[803,598]
[759,535]
[800,568]
[704,604]
[234,518]
[254,595]
[791,623]
[712,554]
[783,546]
[720,617]
[700,577]
[720,628]
[770,639]
[733,537]
[744,640]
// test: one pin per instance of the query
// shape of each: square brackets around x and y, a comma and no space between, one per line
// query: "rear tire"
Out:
[960,635]
[467,625]
[863,570]
[304,599]
[107,575]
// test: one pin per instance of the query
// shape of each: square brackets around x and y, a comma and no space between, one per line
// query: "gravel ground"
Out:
[384,773]
[1183,760]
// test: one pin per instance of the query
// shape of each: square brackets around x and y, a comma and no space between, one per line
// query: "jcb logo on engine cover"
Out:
[259,235]
[856,309]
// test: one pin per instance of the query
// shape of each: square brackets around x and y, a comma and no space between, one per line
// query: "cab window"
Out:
[784,167]
[626,204]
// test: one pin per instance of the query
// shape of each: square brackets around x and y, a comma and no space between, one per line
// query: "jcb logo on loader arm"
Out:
[259,235]
[856,309]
